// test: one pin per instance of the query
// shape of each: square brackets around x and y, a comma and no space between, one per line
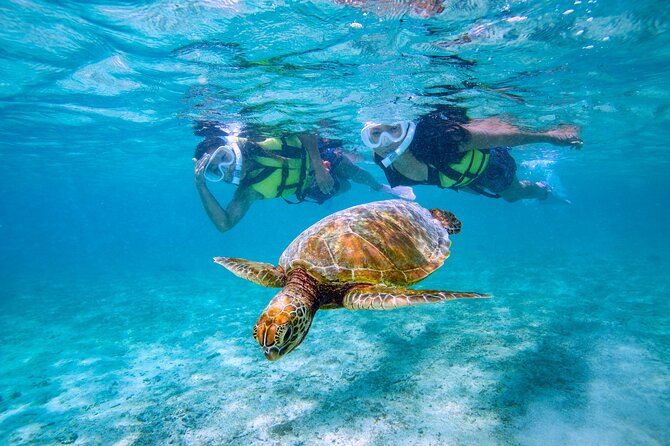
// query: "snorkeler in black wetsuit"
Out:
[448,150]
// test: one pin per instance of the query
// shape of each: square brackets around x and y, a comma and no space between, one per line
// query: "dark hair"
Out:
[209,128]
[438,136]
[208,145]
[212,131]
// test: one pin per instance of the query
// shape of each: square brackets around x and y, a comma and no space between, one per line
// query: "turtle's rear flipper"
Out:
[381,297]
[261,273]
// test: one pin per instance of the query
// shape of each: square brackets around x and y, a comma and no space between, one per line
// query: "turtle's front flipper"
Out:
[380,297]
[261,273]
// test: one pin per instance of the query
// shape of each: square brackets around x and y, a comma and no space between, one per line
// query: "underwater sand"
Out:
[562,359]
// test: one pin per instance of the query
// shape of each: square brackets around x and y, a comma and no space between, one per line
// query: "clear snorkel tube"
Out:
[231,154]
[237,173]
[402,148]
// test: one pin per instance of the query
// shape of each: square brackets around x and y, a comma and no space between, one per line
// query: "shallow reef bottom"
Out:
[577,355]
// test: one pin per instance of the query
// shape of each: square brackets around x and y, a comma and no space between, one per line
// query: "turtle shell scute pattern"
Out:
[392,242]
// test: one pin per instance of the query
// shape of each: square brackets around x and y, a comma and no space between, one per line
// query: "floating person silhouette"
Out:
[448,150]
[295,167]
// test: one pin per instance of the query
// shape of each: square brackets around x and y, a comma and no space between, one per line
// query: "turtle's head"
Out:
[283,325]
[448,220]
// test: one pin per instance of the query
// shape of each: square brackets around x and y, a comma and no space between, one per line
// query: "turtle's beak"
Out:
[271,354]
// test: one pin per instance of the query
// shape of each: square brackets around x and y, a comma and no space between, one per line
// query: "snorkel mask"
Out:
[223,157]
[375,140]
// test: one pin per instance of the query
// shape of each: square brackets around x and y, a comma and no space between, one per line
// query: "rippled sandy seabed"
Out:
[141,361]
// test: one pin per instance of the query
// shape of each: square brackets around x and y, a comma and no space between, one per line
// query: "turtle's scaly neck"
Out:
[303,287]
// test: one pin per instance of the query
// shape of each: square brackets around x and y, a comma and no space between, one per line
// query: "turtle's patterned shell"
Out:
[393,242]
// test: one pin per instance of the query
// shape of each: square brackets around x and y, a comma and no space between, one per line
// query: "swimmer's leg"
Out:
[526,190]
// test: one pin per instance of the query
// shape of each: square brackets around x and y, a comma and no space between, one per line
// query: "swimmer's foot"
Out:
[551,196]
[539,190]
[555,199]
[543,190]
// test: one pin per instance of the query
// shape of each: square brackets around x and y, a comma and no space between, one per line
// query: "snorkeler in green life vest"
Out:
[295,168]
[448,150]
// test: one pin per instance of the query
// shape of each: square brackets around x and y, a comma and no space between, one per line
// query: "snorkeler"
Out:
[295,167]
[448,150]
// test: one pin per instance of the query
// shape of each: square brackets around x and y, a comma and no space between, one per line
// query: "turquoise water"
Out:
[117,328]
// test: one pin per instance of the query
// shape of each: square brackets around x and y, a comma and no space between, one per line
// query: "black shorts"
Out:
[499,173]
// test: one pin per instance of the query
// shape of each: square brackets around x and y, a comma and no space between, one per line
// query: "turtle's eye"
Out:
[287,333]
[283,335]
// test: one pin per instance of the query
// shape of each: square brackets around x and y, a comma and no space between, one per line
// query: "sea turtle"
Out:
[360,258]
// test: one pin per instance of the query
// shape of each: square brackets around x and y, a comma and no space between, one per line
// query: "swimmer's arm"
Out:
[350,171]
[323,178]
[493,132]
[226,219]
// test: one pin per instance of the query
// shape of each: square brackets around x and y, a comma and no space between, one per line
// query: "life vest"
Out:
[454,176]
[462,173]
[281,169]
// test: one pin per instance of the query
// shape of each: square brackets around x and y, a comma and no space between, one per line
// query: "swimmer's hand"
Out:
[404,192]
[324,181]
[200,168]
[565,135]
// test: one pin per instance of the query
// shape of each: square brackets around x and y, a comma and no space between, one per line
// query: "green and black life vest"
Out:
[278,167]
[453,176]
[462,173]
